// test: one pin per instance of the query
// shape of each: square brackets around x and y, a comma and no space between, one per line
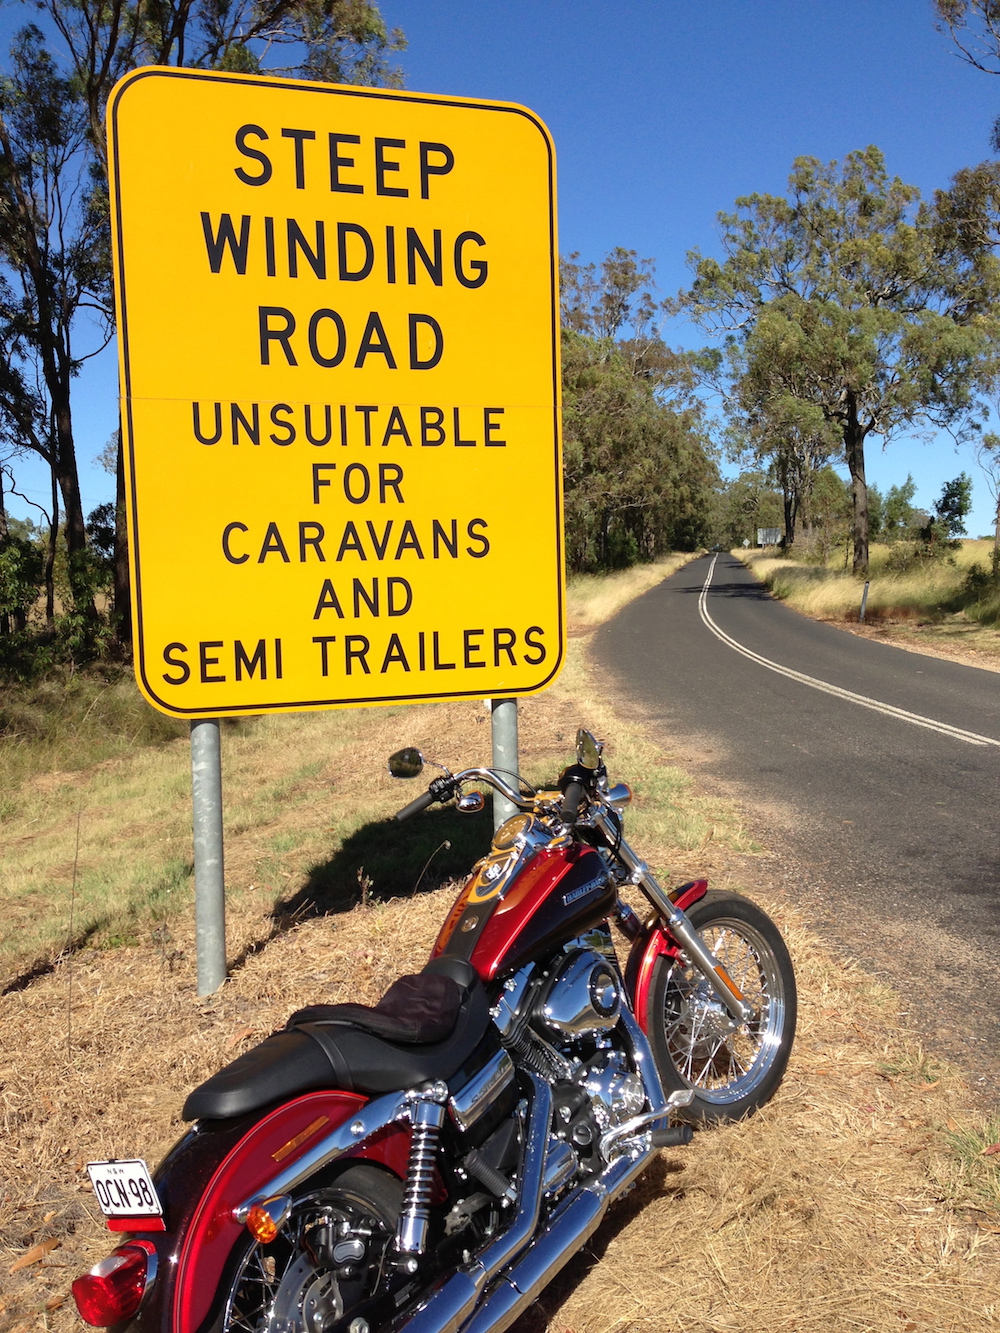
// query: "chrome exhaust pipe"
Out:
[569,1228]
[446,1307]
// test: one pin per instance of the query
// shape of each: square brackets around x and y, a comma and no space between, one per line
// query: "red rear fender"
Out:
[652,941]
[268,1146]
[213,1168]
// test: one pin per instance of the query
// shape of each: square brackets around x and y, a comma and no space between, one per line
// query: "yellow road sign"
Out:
[338,324]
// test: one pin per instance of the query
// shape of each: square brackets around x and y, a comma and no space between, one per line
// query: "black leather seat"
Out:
[423,1029]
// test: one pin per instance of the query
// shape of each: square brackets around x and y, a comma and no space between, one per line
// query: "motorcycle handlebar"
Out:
[574,794]
[414,808]
[444,787]
[488,775]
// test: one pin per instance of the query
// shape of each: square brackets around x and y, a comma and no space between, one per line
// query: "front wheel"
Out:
[732,1068]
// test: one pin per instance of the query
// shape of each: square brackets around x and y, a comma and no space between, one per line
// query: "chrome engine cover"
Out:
[616,1092]
[582,997]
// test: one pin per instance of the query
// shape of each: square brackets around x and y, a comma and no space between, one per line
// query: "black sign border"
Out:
[258,81]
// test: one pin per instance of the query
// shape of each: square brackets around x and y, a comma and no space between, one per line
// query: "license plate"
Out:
[124,1189]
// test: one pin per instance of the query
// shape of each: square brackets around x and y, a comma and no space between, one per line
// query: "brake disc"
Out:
[306,1301]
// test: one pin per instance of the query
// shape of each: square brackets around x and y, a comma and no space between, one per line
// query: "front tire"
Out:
[733,1069]
[330,1259]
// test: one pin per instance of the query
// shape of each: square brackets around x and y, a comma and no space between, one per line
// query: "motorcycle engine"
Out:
[581,998]
[562,1022]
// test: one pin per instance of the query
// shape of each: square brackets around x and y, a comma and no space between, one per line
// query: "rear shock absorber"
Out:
[426,1117]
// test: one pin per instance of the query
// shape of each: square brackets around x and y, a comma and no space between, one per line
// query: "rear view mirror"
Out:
[406,763]
[588,750]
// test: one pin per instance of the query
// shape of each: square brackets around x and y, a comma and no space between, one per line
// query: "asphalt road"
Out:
[890,821]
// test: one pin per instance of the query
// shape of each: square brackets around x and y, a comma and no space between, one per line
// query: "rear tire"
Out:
[328,1259]
[732,1069]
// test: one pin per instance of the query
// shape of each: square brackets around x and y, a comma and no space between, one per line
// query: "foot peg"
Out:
[674,1137]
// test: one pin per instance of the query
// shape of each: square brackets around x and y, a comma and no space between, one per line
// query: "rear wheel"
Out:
[732,1068]
[328,1263]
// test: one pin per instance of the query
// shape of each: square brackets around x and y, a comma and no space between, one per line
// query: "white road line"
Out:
[970,737]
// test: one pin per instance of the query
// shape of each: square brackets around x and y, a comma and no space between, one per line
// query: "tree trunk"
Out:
[854,449]
[123,589]
[4,534]
[50,558]
[69,485]
[791,506]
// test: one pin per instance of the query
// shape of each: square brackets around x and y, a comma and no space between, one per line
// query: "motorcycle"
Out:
[429,1163]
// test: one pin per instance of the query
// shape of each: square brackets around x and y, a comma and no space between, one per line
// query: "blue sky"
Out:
[664,112]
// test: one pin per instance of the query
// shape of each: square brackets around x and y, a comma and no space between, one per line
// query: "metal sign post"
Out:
[209,875]
[504,714]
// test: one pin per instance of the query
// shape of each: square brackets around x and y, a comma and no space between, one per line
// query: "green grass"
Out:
[915,1065]
[70,721]
[977,1170]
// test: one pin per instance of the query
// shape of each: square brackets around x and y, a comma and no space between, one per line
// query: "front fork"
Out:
[678,924]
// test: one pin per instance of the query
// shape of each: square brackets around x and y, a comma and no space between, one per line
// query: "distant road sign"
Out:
[768,536]
[338,316]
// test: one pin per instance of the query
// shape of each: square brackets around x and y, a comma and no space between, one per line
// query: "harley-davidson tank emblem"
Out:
[583,889]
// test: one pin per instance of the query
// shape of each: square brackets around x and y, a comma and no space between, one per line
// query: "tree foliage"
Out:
[745,503]
[638,478]
[898,519]
[850,307]
[55,271]
[943,530]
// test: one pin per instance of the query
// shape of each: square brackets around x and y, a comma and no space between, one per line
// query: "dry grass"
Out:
[909,608]
[591,599]
[844,1207]
[831,593]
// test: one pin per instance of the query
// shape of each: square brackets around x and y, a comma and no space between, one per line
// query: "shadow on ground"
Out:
[384,860]
[664,1178]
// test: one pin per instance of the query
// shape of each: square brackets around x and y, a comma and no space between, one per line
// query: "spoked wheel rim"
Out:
[288,1287]
[723,1061]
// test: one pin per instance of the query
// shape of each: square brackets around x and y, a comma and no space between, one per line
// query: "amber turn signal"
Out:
[265,1219]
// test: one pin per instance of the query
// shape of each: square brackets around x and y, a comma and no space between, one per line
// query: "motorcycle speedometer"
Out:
[509,833]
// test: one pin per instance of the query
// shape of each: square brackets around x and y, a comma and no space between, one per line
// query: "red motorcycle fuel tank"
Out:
[530,894]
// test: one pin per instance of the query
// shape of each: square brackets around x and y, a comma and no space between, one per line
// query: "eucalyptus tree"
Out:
[55,271]
[53,252]
[638,475]
[872,309]
[773,423]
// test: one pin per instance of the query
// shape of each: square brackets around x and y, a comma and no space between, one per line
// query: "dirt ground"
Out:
[840,1208]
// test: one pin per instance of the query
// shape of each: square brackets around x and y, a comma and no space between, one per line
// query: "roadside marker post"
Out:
[864,603]
[339,353]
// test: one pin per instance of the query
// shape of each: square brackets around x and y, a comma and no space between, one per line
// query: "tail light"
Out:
[113,1289]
